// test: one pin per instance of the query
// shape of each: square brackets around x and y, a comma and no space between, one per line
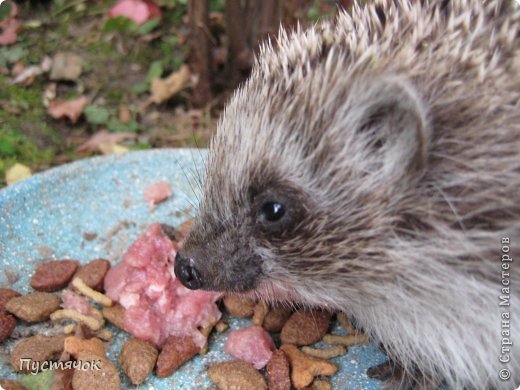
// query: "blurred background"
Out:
[84,77]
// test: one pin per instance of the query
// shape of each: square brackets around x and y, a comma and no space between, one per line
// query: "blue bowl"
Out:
[95,208]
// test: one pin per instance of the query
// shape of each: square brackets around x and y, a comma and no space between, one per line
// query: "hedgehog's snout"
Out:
[187,272]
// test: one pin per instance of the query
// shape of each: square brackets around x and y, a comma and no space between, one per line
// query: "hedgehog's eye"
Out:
[272,211]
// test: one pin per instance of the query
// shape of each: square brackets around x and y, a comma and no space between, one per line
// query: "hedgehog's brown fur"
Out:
[393,138]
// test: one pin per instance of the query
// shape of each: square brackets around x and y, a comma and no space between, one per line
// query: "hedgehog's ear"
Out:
[391,122]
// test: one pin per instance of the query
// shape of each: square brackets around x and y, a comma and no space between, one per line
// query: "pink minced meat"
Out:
[253,345]
[157,304]
[73,301]
[157,192]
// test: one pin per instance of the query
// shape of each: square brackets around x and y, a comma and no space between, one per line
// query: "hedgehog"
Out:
[370,165]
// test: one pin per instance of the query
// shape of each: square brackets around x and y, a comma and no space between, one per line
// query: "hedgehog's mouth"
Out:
[272,291]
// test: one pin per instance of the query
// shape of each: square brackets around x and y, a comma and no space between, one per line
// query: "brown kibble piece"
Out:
[54,275]
[93,273]
[221,326]
[259,313]
[104,334]
[37,348]
[236,375]
[74,345]
[138,359]
[278,377]
[82,331]
[7,325]
[305,327]
[176,351]
[62,379]
[33,307]
[10,385]
[305,367]
[276,318]
[106,378]
[206,331]
[5,295]
[116,315]
[238,306]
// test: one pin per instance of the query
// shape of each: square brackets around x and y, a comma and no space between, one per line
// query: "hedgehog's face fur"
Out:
[371,164]
[303,174]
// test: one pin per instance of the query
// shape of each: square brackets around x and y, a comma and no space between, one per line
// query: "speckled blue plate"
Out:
[95,208]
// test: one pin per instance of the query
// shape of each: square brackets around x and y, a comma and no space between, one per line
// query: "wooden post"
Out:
[200,50]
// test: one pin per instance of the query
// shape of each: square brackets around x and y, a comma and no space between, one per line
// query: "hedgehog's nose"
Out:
[186,272]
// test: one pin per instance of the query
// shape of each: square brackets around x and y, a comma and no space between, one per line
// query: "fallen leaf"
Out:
[102,140]
[125,115]
[112,149]
[16,173]
[97,115]
[139,11]
[66,66]
[49,94]
[30,72]
[10,26]
[163,89]
[71,109]
[18,68]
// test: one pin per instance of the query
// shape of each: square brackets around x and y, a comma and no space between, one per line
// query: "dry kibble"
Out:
[62,379]
[276,318]
[138,359]
[93,273]
[75,345]
[206,332]
[305,367]
[33,307]
[69,314]
[305,327]
[278,377]
[104,334]
[10,385]
[176,351]
[103,375]
[89,292]
[38,349]
[259,313]
[5,295]
[54,275]
[236,375]
[358,338]
[82,331]
[325,353]
[69,328]
[221,326]
[116,315]
[238,306]
[7,325]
